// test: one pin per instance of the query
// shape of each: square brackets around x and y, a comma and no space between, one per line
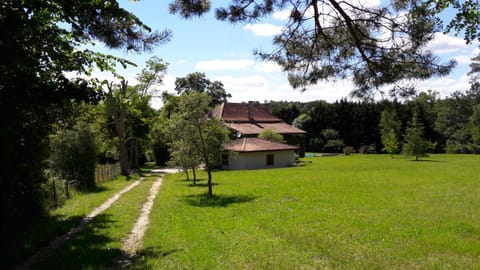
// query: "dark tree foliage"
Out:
[330,39]
[198,82]
[39,43]
[74,156]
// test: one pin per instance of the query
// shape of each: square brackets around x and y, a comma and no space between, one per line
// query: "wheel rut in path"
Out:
[59,241]
[134,240]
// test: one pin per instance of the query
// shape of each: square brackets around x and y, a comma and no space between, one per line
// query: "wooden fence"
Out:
[106,172]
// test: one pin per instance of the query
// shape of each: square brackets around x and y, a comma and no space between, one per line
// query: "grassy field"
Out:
[345,212]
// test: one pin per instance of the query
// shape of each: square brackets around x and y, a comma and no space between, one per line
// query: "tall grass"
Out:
[361,211]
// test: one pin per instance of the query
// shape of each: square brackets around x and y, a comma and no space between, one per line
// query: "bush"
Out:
[271,135]
[74,157]
[348,150]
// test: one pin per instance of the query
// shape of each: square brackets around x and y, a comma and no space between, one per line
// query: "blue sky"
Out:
[224,52]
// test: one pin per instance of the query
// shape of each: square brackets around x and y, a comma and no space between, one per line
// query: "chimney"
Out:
[250,111]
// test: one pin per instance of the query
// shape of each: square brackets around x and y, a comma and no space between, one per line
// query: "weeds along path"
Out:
[59,241]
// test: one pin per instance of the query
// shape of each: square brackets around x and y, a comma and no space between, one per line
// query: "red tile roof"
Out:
[282,128]
[252,118]
[247,144]
[245,128]
[244,112]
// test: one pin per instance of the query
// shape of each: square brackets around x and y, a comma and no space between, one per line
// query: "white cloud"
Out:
[282,15]
[443,44]
[463,59]
[225,64]
[446,85]
[367,3]
[167,86]
[258,88]
[263,29]
[268,67]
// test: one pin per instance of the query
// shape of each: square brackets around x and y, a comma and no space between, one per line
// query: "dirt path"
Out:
[134,241]
[135,238]
[59,241]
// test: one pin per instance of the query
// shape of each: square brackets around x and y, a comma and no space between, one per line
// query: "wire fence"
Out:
[106,172]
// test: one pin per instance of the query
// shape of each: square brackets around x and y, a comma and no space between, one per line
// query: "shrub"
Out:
[74,156]
[348,150]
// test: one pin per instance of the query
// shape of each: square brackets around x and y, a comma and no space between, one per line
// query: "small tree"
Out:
[390,142]
[390,129]
[184,154]
[206,136]
[270,135]
[415,144]
[333,143]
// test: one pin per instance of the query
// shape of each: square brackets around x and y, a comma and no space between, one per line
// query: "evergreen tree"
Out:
[389,129]
[390,142]
[415,144]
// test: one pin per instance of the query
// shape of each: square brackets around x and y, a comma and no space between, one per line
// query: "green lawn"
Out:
[344,212]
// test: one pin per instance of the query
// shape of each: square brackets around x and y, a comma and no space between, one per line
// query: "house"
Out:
[247,121]
[255,153]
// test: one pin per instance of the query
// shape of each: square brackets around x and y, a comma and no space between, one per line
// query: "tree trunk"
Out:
[188,176]
[210,191]
[120,129]
[135,157]
[194,176]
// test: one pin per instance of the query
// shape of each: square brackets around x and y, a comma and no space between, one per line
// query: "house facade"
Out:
[255,153]
[246,121]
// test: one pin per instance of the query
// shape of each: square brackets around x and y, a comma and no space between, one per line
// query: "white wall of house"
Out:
[258,160]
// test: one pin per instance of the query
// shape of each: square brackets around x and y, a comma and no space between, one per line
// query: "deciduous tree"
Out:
[270,135]
[207,136]
[41,41]
[198,82]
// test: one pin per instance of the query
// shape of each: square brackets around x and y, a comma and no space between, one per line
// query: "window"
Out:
[270,160]
[225,159]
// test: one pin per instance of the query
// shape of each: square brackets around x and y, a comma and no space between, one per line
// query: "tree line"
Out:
[451,124]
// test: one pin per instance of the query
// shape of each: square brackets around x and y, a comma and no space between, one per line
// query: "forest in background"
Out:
[451,124]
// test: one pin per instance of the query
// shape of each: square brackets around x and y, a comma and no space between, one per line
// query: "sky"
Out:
[224,52]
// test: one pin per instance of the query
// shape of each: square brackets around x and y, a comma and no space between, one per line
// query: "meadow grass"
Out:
[17,245]
[100,242]
[344,212]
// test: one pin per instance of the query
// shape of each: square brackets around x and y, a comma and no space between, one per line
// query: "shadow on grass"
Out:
[96,189]
[191,179]
[203,200]
[141,258]
[426,160]
[18,243]
[87,250]
[201,184]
